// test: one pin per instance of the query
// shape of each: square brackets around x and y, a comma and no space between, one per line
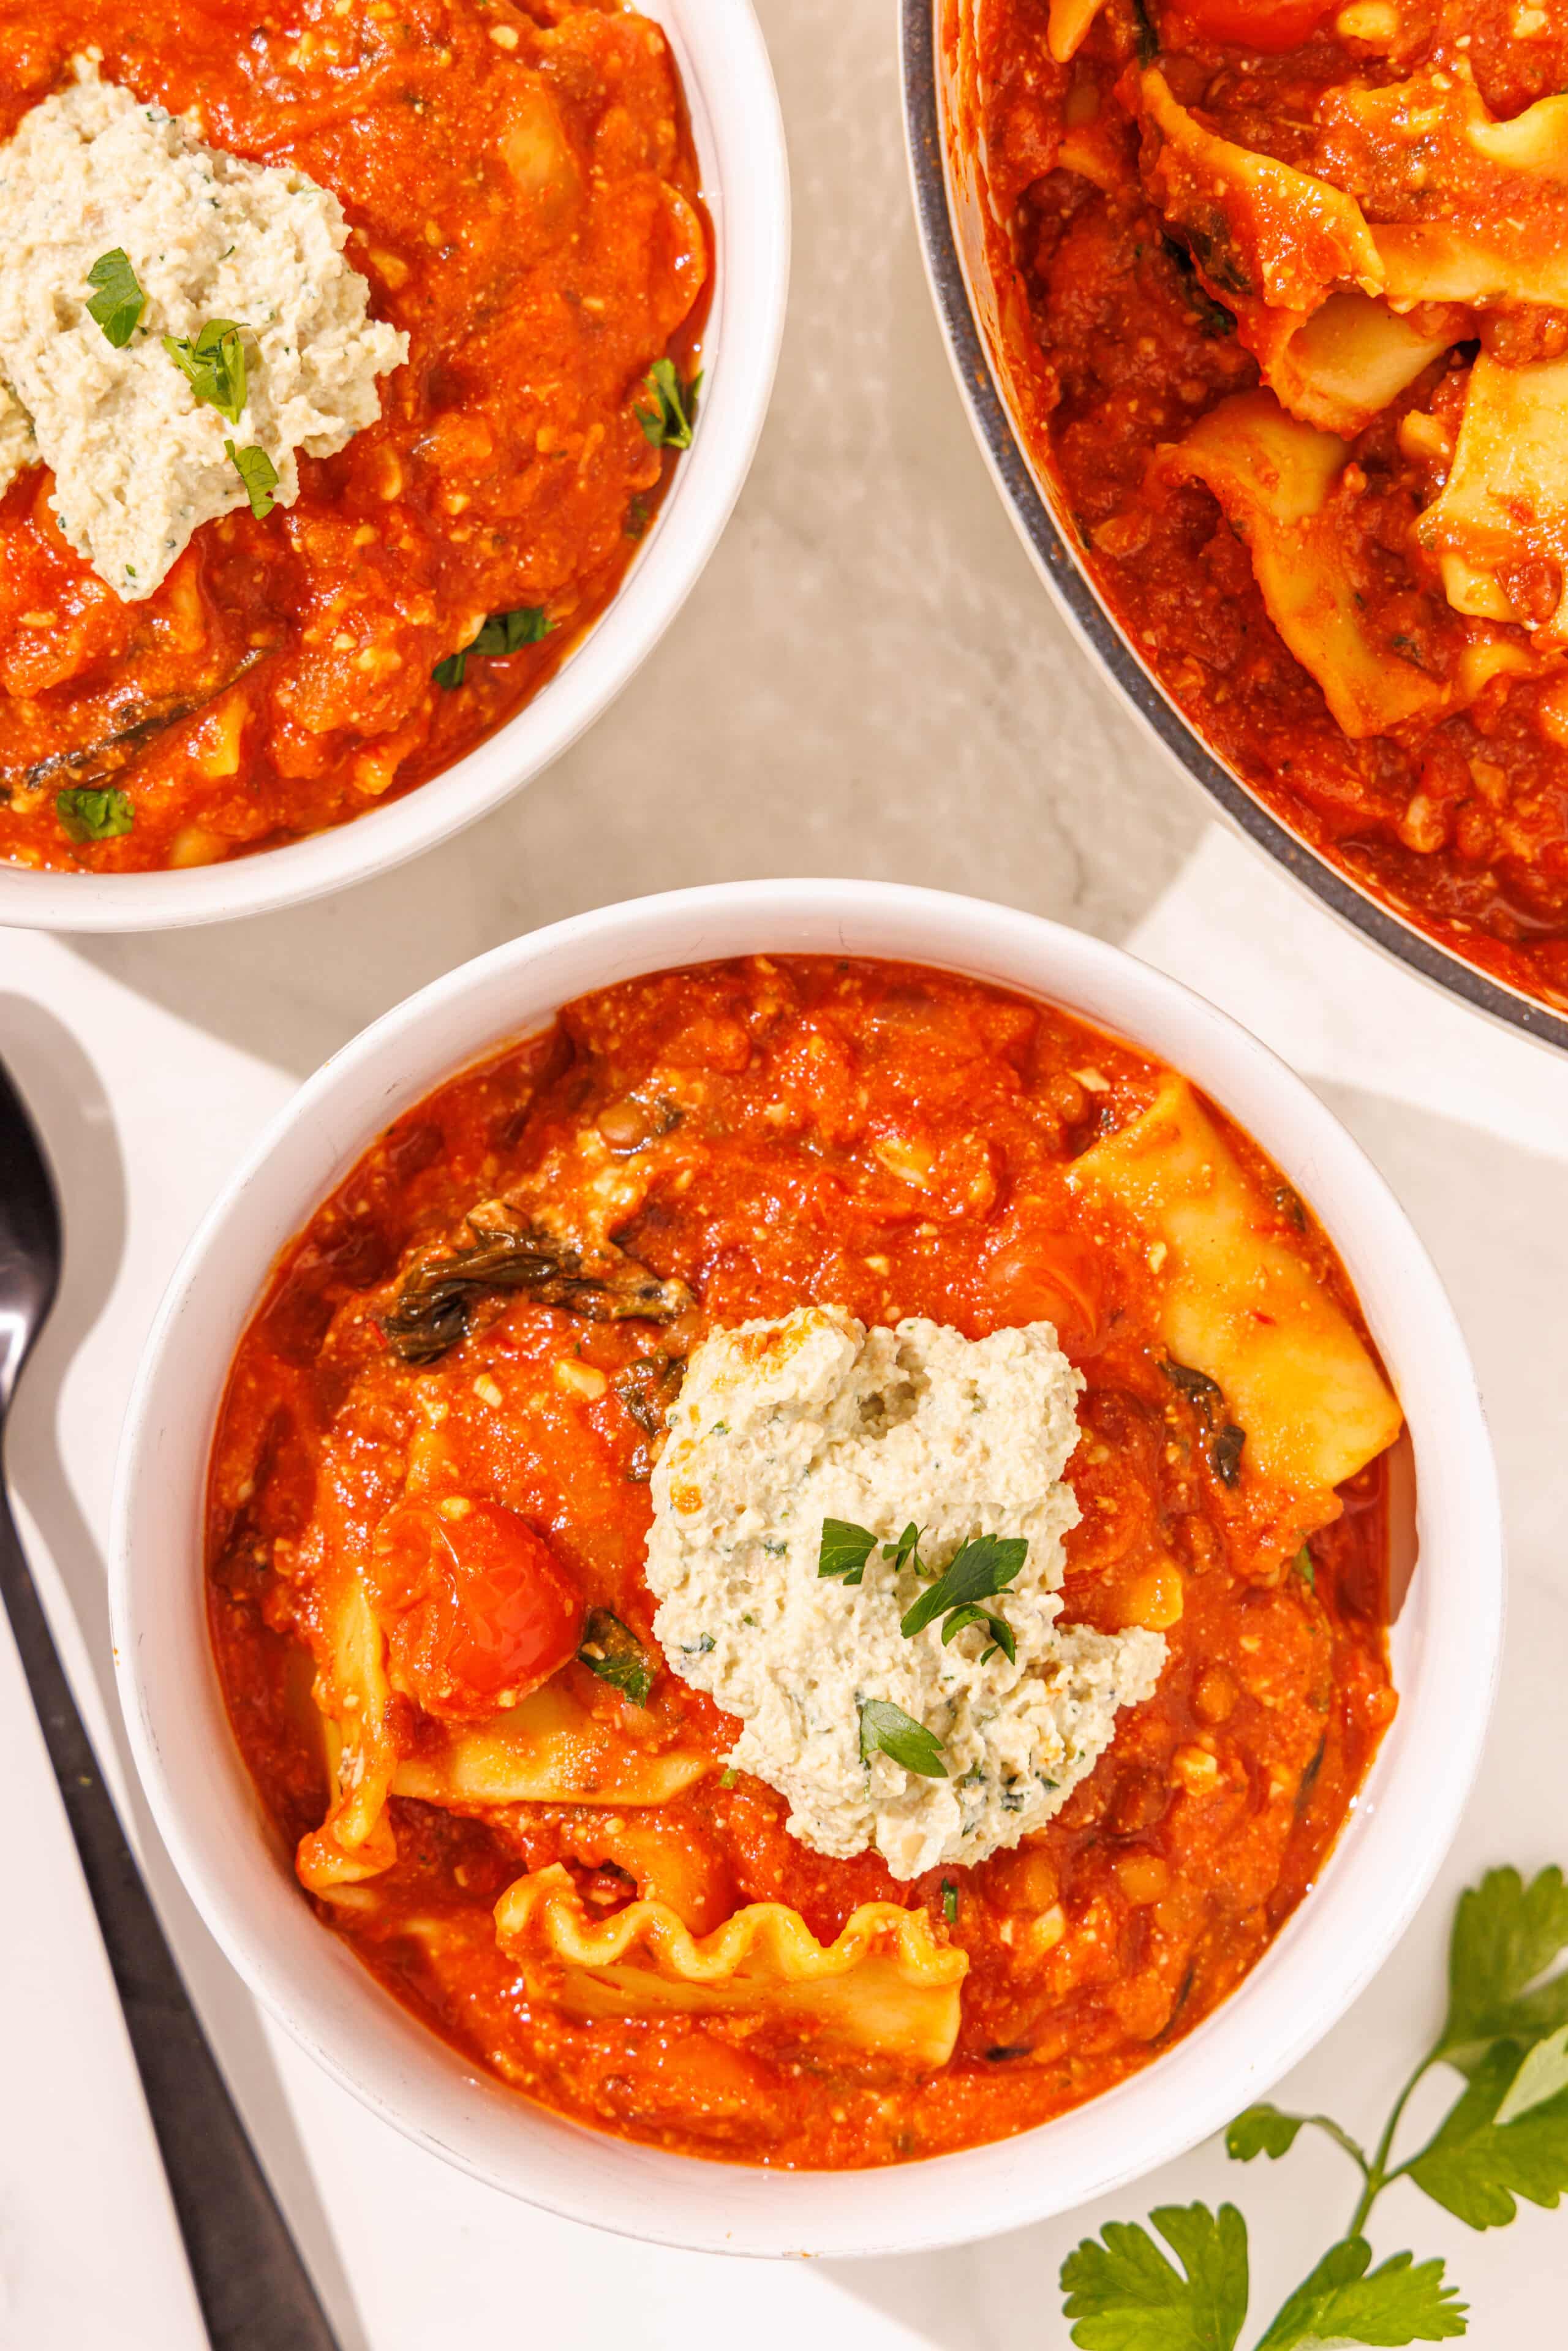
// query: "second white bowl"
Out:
[740,137]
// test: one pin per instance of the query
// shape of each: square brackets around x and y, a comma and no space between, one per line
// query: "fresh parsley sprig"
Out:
[1506,2033]
[980,1570]
[117,300]
[668,423]
[213,364]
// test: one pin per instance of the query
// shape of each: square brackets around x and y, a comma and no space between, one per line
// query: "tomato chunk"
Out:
[478,1610]
[1268,26]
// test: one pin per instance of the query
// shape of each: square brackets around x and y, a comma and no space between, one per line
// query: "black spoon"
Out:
[254,2290]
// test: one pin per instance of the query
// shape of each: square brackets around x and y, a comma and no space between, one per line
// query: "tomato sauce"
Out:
[1115,349]
[741,1118]
[523,198]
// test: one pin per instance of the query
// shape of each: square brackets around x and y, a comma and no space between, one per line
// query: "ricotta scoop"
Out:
[138,463]
[780,1425]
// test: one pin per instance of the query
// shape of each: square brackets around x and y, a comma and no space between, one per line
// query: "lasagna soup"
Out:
[799,1562]
[344,355]
[1285,303]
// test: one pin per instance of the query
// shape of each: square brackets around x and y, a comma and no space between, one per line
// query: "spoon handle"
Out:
[254,2290]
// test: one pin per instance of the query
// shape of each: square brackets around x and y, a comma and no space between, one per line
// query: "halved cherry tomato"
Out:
[478,1610]
[1269,26]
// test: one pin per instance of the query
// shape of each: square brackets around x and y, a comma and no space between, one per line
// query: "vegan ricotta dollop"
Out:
[782,1426]
[140,463]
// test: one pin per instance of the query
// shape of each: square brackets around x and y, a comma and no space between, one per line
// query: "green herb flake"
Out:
[886,1728]
[1303,1567]
[616,1656]
[259,475]
[844,1549]
[668,423]
[117,301]
[949,1901]
[94,812]
[213,364]
[729,1777]
[906,1552]
[502,633]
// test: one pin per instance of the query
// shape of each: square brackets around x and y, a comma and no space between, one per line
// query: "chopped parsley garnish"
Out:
[616,1656]
[1302,1563]
[639,515]
[886,1727]
[728,1776]
[259,475]
[844,1549]
[94,812]
[668,424]
[977,1573]
[213,364]
[503,634]
[117,301]
[949,1901]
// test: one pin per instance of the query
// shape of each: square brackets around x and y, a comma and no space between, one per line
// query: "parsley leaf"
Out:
[1340,2303]
[844,1549]
[259,475]
[213,364]
[502,633]
[1123,2294]
[1506,1934]
[668,424]
[89,812]
[1476,2166]
[1001,1632]
[1262,2130]
[949,1901]
[1543,2073]
[118,301]
[887,1727]
[978,1570]
[616,1656]
[906,1552]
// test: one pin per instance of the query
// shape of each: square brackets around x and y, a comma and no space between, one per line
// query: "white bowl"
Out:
[739,136]
[1445,1643]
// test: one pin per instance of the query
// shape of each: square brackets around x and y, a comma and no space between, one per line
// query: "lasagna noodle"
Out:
[1069,26]
[549,1749]
[884,1986]
[1275,478]
[1506,498]
[1244,1309]
[1258,228]
[1339,367]
[1464,208]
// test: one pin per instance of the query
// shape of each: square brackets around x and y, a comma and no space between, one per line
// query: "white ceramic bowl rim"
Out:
[739,136]
[1446,1643]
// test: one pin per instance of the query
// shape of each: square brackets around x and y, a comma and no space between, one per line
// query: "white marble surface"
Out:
[869,681]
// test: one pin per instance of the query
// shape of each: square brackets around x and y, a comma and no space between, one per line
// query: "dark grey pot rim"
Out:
[993,423]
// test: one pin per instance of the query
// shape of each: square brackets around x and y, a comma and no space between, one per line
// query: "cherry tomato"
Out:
[478,1608]
[1268,26]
